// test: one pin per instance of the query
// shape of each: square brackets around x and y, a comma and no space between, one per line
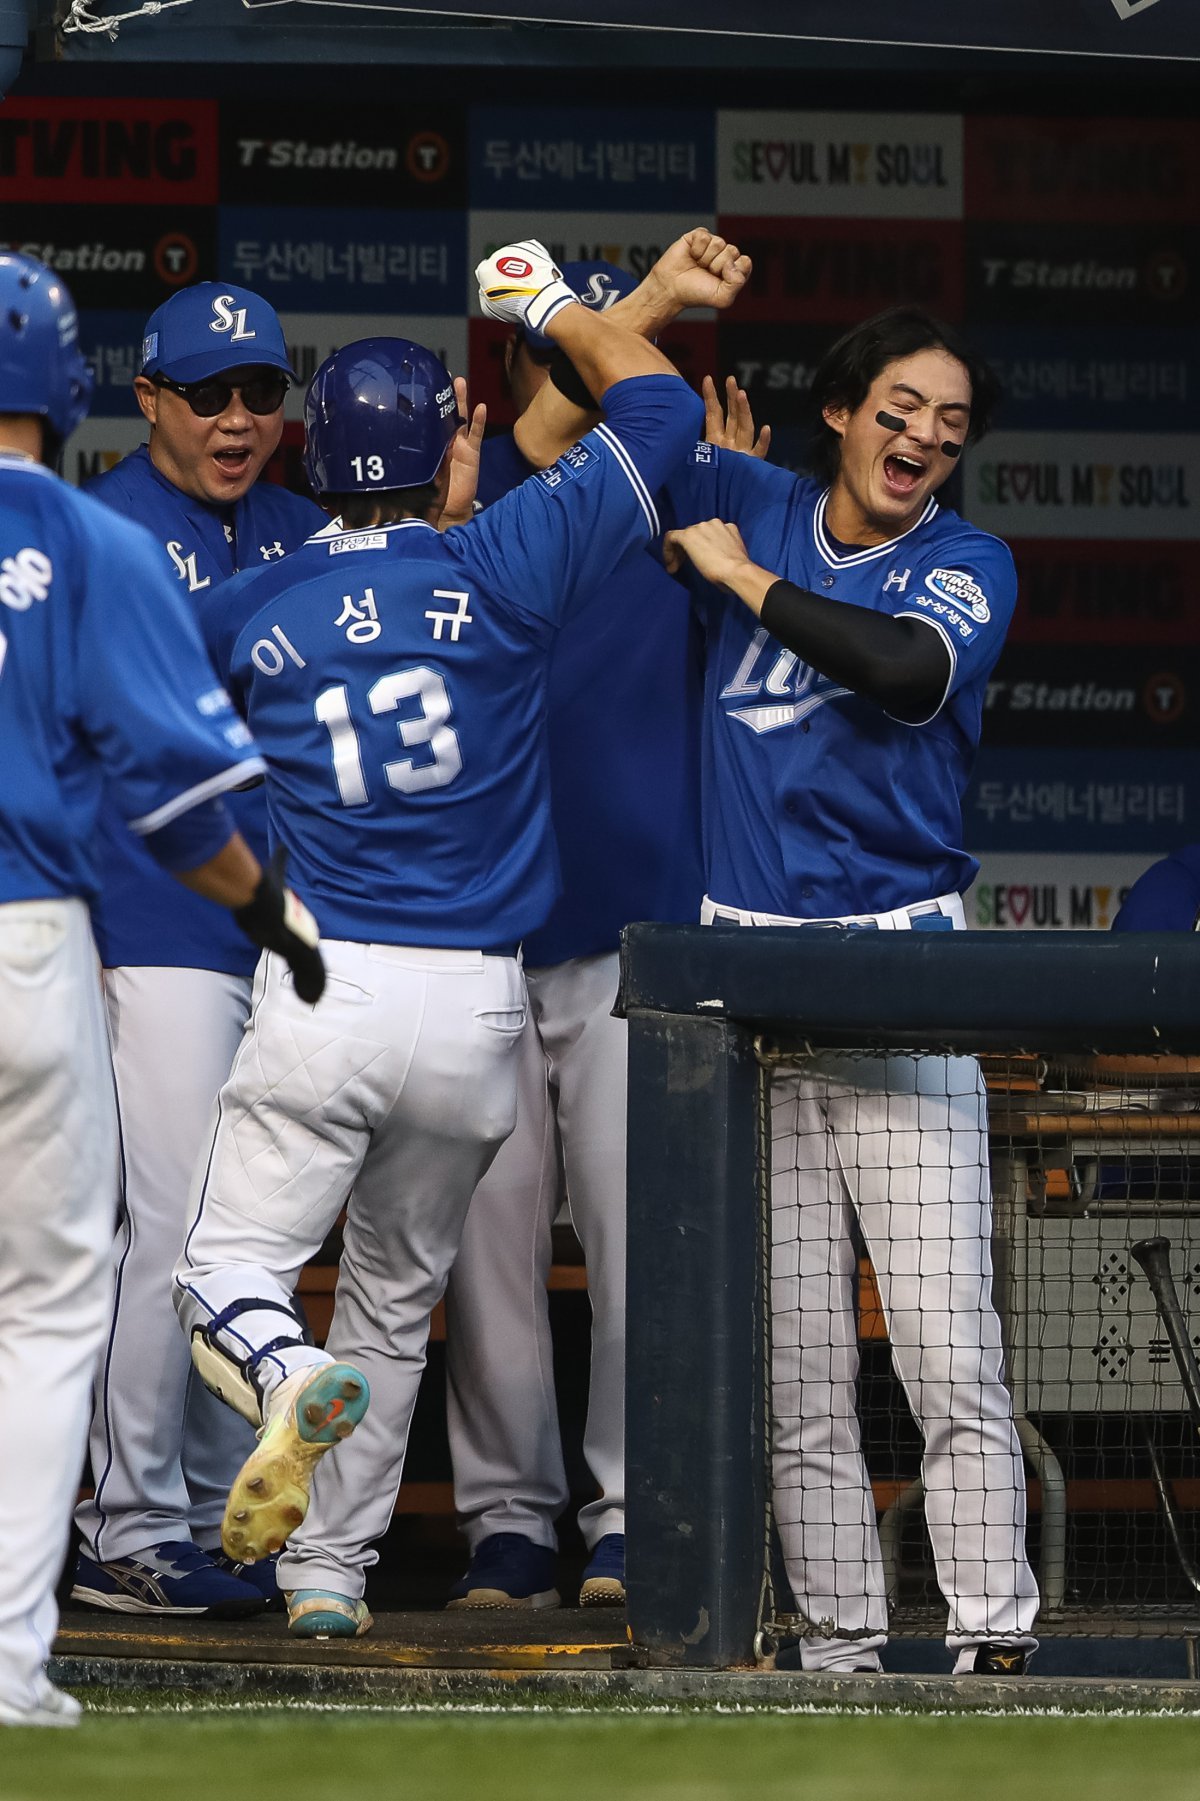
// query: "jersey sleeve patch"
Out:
[571,463]
[952,618]
[960,589]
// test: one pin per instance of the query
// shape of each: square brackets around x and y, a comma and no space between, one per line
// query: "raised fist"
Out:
[520,284]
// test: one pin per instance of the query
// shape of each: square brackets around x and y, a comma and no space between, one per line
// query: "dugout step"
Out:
[508,1638]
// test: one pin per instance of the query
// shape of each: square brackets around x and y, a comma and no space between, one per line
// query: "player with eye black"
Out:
[852,623]
[177,974]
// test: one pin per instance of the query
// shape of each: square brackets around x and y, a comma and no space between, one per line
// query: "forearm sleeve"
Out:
[900,664]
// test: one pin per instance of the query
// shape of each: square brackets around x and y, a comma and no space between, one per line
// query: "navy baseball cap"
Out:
[598,285]
[204,330]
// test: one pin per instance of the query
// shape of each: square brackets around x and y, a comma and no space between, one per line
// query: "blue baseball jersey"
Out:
[1166,898]
[398,680]
[102,677]
[141,916]
[623,720]
[816,802]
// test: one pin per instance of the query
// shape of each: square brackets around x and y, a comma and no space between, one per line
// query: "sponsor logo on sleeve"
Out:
[957,586]
[949,616]
[573,462]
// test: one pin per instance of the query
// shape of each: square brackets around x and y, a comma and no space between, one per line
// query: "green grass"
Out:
[305,1755]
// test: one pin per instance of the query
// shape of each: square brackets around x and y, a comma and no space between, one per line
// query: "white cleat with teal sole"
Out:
[309,1414]
[319,1613]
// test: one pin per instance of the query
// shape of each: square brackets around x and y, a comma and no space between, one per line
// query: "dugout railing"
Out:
[1090,1047]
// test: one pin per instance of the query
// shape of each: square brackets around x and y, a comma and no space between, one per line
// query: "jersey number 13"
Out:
[430,728]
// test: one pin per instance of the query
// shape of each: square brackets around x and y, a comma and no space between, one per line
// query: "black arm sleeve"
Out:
[901,664]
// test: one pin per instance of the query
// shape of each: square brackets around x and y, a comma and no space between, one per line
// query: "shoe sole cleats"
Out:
[269,1498]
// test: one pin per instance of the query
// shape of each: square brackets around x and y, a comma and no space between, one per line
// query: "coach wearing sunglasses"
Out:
[177,979]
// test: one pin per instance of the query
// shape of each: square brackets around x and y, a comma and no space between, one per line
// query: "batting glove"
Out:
[277,920]
[521,285]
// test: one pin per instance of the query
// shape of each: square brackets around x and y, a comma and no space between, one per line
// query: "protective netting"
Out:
[973,1390]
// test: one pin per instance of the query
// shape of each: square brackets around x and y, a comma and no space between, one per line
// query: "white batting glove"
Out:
[521,285]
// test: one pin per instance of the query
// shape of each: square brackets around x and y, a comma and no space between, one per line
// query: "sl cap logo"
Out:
[231,318]
[515,267]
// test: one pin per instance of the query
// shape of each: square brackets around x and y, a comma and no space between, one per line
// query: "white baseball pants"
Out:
[58,1146]
[900,1143]
[398,1085]
[501,1413]
[164,1451]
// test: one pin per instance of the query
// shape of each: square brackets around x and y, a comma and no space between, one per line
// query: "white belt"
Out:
[900,919]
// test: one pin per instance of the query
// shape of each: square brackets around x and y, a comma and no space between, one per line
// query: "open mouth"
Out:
[902,473]
[232,463]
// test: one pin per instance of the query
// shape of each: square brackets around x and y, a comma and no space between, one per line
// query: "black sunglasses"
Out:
[261,394]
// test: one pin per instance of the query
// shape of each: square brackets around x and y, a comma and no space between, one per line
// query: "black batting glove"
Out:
[277,920]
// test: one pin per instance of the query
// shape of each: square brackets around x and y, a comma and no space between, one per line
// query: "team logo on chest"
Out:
[791,690]
[185,567]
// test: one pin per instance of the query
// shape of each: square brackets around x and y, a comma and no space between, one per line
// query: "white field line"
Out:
[681,1710]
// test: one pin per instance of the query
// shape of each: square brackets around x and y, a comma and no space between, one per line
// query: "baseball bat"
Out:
[1154,1255]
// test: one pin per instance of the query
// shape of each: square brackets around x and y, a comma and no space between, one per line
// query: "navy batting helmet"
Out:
[42,369]
[379,414]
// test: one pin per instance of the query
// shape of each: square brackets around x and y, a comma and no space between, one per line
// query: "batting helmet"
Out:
[379,414]
[42,369]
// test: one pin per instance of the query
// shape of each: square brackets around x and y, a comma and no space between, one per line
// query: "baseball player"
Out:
[177,977]
[102,672]
[624,704]
[398,676]
[852,626]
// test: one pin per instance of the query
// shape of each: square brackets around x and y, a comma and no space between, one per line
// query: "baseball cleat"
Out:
[173,1578]
[308,1414]
[992,1660]
[507,1570]
[320,1613]
[604,1577]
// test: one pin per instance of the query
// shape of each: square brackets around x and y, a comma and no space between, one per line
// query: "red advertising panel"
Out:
[121,151]
[837,271]
[1135,171]
[1105,592]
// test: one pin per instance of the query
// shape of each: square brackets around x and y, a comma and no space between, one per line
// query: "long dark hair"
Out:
[844,375]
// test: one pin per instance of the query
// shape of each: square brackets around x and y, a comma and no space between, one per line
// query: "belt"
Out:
[945,914]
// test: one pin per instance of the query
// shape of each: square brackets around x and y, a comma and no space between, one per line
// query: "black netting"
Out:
[973,1392]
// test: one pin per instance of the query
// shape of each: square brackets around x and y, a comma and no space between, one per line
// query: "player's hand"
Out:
[714,548]
[698,269]
[732,426]
[522,285]
[464,461]
[277,920]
